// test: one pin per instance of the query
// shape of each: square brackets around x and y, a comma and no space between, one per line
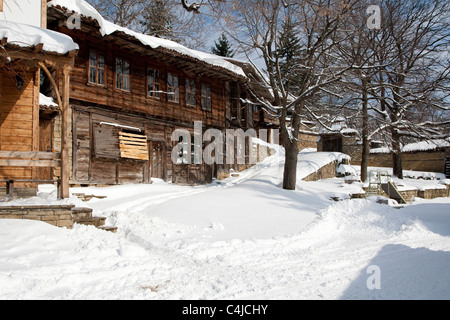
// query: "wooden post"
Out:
[35,124]
[65,165]
[44,14]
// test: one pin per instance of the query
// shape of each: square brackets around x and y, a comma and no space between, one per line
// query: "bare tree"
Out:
[161,18]
[257,25]
[411,45]
[121,12]
[357,49]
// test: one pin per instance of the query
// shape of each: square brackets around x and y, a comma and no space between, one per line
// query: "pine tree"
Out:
[290,55]
[222,47]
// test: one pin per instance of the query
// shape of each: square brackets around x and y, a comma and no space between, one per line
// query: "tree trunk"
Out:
[290,164]
[396,155]
[365,158]
[365,134]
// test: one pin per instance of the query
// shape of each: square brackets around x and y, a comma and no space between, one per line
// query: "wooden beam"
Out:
[38,47]
[35,124]
[31,155]
[21,53]
[44,14]
[65,165]
[29,163]
[53,83]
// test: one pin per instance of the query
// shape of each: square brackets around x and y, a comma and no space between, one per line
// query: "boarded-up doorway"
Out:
[157,159]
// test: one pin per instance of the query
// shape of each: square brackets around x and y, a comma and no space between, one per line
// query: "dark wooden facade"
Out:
[103,113]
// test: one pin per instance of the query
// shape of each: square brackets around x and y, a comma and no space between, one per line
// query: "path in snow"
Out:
[236,240]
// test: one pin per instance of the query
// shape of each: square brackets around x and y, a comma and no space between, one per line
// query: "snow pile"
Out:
[327,259]
[46,101]
[310,162]
[26,36]
[107,28]
[242,238]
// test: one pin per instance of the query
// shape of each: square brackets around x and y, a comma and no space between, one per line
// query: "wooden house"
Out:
[28,52]
[129,92]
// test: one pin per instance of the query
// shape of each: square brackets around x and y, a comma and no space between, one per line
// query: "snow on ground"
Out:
[242,238]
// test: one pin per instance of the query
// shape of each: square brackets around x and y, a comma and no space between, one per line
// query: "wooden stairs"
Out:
[380,183]
[84,216]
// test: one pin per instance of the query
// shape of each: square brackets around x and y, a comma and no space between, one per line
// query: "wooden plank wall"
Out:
[19,120]
[136,100]
[92,165]
[107,167]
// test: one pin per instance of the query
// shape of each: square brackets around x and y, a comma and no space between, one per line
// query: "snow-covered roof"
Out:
[347,131]
[27,36]
[428,145]
[338,129]
[47,103]
[108,28]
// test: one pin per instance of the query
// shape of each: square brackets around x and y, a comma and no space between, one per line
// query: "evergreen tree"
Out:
[290,55]
[158,20]
[222,47]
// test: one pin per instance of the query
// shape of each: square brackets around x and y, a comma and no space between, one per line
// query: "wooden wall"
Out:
[95,150]
[19,119]
[158,118]
[136,101]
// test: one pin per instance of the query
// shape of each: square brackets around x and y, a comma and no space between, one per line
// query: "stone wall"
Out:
[409,195]
[427,161]
[57,215]
[307,140]
[326,172]
[416,161]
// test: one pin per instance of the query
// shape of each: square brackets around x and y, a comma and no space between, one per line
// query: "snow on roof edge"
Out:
[427,145]
[107,28]
[25,36]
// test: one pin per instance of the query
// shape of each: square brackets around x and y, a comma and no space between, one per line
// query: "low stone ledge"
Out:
[57,215]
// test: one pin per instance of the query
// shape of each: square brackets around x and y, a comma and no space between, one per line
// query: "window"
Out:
[96,68]
[190,92]
[153,83]
[133,145]
[113,142]
[172,88]
[122,74]
[206,97]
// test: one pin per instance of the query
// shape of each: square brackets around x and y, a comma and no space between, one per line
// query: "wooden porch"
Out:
[21,157]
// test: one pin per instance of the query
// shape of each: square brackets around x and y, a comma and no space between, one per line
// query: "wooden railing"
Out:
[29,159]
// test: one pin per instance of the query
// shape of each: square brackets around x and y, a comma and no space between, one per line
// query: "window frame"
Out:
[176,89]
[190,92]
[206,87]
[122,75]
[155,93]
[97,69]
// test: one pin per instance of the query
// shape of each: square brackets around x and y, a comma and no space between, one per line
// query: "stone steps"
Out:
[84,216]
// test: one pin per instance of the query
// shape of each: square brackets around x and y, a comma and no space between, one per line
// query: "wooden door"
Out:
[46,145]
[157,160]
